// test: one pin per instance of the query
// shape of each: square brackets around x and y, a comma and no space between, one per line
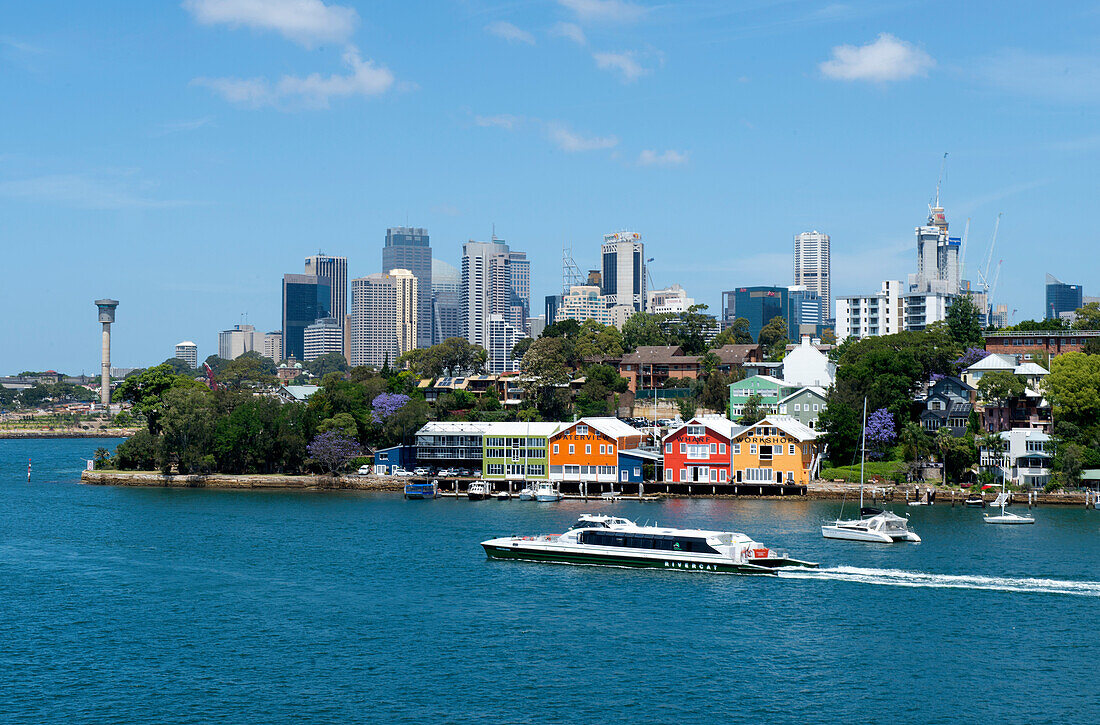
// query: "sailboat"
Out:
[1006,517]
[873,524]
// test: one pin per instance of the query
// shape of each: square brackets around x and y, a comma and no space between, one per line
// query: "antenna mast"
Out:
[943,166]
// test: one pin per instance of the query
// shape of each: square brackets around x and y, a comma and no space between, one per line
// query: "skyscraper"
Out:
[759,305]
[489,288]
[812,264]
[446,298]
[410,248]
[324,336]
[306,299]
[937,256]
[624,269]
[335,270]
[236,342]
[1062,297]
[503,336]
[188,352]
[384,317]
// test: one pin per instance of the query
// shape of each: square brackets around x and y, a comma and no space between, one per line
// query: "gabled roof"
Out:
[657,354]
[611,427]
[816,390]
[715,423]
[735,354]
[301,392]
[1030,368]
[763,379]
[494,428]
[785,423]
[993,361]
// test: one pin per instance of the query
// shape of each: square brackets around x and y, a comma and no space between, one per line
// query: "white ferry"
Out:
[613,541]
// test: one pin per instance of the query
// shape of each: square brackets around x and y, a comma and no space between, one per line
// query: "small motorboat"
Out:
[477,491]
[546,492]
[527,494]
[502,496]
[422,490]
[975,500]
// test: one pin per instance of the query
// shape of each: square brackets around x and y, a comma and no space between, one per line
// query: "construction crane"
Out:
[962,250]
[989,258]
[993,290]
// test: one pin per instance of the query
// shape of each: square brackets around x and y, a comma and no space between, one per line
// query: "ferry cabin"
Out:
[777,450]
[699,452]
[588,450]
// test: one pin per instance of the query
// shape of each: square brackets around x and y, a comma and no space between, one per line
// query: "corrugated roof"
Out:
[787,424]
[607,425]
[994,361]
[513,428]
[812,388]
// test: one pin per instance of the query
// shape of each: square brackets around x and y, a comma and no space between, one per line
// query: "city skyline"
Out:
[222,160]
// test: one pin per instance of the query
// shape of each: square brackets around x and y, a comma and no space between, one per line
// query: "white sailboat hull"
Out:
[1008,518]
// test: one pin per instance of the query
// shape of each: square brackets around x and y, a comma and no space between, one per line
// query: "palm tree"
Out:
[995,446]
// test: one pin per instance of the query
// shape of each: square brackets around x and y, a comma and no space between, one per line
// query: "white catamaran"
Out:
[873,524]
[612,541]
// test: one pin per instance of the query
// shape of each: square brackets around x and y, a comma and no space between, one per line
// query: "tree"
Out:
[145,390]
[957,454]
[547,368]
[322,365]
[562,328]
[138,452]
[715,393]
[594,340]
[964,322]
[179,366]
[520,348]
[343,423]
[1069,463]
[386,405]
[773,338]
[689,329]
[641,329]
[187,430]
[333,450]
[216,363]
[454,356]
[970,356]
[999,386]
[915,443]
[597,395]
[687,408]
[736,334]
[754,411]
[880,430]
[1091,346]
[1088,317]
[1073,388]
[828,336]
[708,362]
[842,427]
[248,370]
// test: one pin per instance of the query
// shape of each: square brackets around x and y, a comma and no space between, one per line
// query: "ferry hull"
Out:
[494,551]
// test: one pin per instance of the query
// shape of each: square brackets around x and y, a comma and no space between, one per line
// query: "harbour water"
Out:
[130,605]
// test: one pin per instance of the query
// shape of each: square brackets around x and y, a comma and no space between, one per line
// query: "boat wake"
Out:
[899,578]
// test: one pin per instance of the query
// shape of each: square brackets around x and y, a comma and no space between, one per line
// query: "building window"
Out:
[683,474]
[752,448]
[572,449]
[495,469]
[798,407]
[790,449]
[668,448]
[816,407]
[582,430]
[722,448]
[668,474]
[713,448]
[555,448]
[722,476]
[683,448]
[736,449]
[588,448]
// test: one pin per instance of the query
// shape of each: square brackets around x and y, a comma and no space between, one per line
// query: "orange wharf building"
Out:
[590,448]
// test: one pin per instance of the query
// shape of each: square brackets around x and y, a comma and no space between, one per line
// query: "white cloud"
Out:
[623,63]
[648,157]
[306,22]
[886,59]
[615,11]
[84,191]
[503,120]
[568,140]
[312,91]
[571,31]
[509,32]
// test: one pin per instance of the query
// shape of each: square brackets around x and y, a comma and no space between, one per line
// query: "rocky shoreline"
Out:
[48,433]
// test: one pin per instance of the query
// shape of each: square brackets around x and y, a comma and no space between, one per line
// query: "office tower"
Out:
[237,341]
[188,352]
[503,336]
[535,325]
[1062,297]
[271,345]
[384,317]
[624,269]
[306,299]
[812,265]
[671,299]
[322,337]
[552,305]
[446,299]
[335,270]
[937,256]
[583,302]
[410,248]
[807,306]
[889,311]
[488,288]
[759,305]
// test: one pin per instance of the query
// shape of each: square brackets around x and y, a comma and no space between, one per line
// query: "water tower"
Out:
[106,317]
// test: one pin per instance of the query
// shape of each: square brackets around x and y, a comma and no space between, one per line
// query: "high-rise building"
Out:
[671,299]
[503,336]
[335,270]
[410,248]
[188,352]
[812,264]
[324,336]
[759,305]
[1062,297]
[624,269]
[384,317]
[488,288]
[236,341]
[306,299]
[446,300]
[889,311]
[807,306]
[938,267]
[271,345]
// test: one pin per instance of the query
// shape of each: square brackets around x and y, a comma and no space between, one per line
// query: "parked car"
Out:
[402,472]
[364,470]
[448,473]
[421,471]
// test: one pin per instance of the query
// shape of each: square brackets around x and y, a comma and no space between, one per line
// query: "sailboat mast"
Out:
[862,454]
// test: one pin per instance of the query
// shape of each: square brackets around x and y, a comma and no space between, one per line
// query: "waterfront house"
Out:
[517,451]
[588,450]
[699,452]
[771,391]
[948,405]
[778,449]
[804,405]
[806,365]
[1026,459]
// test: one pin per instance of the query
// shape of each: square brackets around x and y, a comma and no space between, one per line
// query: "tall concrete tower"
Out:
[106,317]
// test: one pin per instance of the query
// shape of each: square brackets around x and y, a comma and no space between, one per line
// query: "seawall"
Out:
[29,433]
[155,479]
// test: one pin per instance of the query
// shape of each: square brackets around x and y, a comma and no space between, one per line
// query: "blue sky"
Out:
[181,157]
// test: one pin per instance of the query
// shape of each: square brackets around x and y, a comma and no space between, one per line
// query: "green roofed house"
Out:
[804,405]
[771,391]
[517,451]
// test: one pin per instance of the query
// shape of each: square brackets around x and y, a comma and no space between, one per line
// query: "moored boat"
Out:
[477,491]
[1006,517]
[527,494]
[422,490]
[613,541]
[546,491]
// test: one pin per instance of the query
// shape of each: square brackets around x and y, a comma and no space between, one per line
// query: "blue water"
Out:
[146,605]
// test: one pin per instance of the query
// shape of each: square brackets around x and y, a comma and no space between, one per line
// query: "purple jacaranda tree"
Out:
[333,450]
[971,356]
[386,404]
[936,377]
[880,430]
